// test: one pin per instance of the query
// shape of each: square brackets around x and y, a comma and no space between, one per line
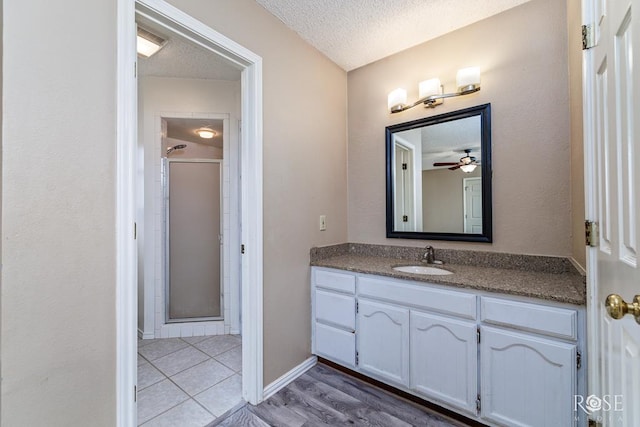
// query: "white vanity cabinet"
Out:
[499,360]
[334,316]
[528,379]
[420,337]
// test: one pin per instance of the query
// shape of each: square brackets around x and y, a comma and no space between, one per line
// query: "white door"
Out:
[444,360]
[472,205]
[527,380]
[612,148]
[404,216]
[383,341]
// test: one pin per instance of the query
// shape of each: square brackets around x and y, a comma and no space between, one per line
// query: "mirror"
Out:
[439,177]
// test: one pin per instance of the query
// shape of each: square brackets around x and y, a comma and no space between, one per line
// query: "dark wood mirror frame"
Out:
[484,111]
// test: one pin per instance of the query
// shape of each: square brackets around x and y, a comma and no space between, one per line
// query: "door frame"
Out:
[591,213]
[251,195]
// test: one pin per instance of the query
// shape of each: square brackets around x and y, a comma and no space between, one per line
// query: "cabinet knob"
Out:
[617,307]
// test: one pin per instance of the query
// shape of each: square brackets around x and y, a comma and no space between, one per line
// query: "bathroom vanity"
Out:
[498,353]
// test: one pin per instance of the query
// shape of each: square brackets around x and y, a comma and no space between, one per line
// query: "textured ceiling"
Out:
[354,33]
[179,58]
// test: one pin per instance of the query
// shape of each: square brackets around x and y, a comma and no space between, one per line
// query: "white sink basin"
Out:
[422,269]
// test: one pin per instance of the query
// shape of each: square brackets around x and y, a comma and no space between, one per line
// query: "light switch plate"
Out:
[323,222]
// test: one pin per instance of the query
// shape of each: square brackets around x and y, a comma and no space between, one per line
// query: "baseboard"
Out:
[284,380]
[147,336]
[578,266]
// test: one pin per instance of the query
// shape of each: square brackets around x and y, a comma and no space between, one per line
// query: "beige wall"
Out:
[58,225]
[574,31]
[524,77]
[304,166]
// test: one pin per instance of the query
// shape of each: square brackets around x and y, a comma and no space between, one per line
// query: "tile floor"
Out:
[188,381]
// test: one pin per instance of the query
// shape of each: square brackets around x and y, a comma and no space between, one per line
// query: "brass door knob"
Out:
[617,307]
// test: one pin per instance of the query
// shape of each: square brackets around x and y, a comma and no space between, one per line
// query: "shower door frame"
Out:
[166,181]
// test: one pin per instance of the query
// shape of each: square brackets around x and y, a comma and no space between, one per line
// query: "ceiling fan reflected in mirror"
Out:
[467,163]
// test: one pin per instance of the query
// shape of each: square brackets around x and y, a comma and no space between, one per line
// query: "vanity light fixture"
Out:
[147,43]
[431,92]
[206,132]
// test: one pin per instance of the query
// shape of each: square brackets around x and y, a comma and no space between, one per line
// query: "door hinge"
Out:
[588,37]
[404,166]
[578,360]
[478,334]
[135,393]
[242,249]
[478,405]
[135,230]
[357,307]
[357,358]
[405,218]
[591,233]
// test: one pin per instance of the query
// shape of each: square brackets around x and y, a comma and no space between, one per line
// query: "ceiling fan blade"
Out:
[445,164]
[455,167]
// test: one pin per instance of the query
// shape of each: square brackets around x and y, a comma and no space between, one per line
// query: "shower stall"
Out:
[193,239]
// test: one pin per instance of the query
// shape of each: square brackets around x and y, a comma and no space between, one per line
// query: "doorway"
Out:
[250,148]
[472,205]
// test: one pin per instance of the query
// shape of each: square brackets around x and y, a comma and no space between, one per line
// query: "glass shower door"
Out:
[193,230]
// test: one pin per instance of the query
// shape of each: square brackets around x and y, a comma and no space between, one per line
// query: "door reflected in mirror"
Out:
[439,177]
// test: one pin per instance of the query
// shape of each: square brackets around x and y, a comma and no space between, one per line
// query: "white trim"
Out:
[126,247]
[251,196]
[252,234]
[144,336]
[289,377]
[591,211]
[191,329]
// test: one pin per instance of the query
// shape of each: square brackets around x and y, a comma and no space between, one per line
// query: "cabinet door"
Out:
[383,341]
[444,360]
[527,380]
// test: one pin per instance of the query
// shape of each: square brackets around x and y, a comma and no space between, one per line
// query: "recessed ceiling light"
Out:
[148,43]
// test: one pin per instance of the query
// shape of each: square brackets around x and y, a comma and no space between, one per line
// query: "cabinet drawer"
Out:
[460,304]
[335,344]
[342,282]
[542,319]
[336,309]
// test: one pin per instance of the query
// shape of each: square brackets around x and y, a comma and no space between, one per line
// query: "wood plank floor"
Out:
[324,396]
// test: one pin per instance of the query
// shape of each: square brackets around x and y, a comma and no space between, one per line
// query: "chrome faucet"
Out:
[429,256]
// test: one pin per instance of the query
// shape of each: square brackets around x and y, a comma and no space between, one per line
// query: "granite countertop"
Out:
[549,278]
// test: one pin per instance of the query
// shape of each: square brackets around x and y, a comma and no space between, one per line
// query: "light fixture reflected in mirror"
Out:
[431,92]
[206,132]
[468,168]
